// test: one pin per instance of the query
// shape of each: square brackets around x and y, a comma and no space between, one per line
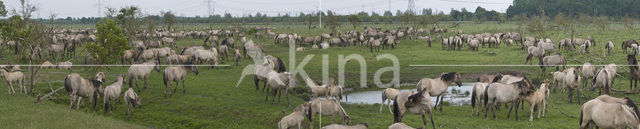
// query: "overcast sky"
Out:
[89,8]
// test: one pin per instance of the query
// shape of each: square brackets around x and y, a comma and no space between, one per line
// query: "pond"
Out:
[455,96]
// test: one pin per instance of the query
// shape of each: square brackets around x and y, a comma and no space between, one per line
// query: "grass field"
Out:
[213,101]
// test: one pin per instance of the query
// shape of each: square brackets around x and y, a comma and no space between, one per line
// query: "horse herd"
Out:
[489,90]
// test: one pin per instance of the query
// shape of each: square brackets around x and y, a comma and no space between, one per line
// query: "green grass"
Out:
[213,101]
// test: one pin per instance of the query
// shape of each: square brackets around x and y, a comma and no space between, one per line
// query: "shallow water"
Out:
[455,96]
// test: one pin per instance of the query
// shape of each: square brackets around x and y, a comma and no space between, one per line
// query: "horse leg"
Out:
[511,108]
[286,92]
[424,120]
[570,96]
[517,104]
[11,87]
[431,117]
[71,99]
[441,98]
[78,102]
[279,95]
[266,95]
[437,100]
[531,112]
[183,90]
[578,94]
[256,82]
[165,89]
[381,105]
[137,87]
[145,83]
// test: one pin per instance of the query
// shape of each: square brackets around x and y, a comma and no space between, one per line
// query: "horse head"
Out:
[193,68]
[525,87]
[451,77]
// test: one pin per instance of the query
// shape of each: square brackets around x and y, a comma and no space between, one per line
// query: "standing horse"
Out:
[78,87]
[141,71]
[438,86]
[317,90]
[279,82]
[572,81]
[176,74]
[415,103]
[388,95]
[476,96]
[326,107]
[603,114]
[11,77]
[112,93]
[537,98]
[634,71]
[588,71]
[505,93]
[602,80]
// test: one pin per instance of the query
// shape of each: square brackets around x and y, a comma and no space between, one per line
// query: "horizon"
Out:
[240,8]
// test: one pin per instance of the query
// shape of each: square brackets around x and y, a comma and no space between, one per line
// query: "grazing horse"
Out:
[78,87]
[597,112]
[131,100]
[65,65]
[555,60]
[438,86]
[415,103]
[203,56]
[602,80]
[141,71]
[388,95]
[627,44]
[537,98]
[534,51]
[572,81]
[608,48]
[175,74]
[476,96]
[505,93]
[326,107]
[634,71]
[338,126]
[112,93]
[11,77]
[295,118]
[279,82]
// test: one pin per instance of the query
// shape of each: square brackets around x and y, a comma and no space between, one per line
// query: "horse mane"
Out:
[448,76]
[280,66]
[631,104]
[497,78]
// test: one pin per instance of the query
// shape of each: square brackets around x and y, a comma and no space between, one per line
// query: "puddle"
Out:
[455,96]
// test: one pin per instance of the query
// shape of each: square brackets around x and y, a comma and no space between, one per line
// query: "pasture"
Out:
[213,101]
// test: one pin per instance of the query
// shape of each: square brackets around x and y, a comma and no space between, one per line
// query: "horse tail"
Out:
[67,84]
[131,82]
[309,113]
[384,95]
[281,67]
[473,97]
[164,78]
[581,115]
[340,93]
[395,111]
[631,104]
[486,95]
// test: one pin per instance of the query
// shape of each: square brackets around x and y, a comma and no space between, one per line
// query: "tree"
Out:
[169,19]
[355,20]
[128,18]
[110,44]
[602,22]
[310,20]
[560,21]
[332,21]
[3,10]
[628,22]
